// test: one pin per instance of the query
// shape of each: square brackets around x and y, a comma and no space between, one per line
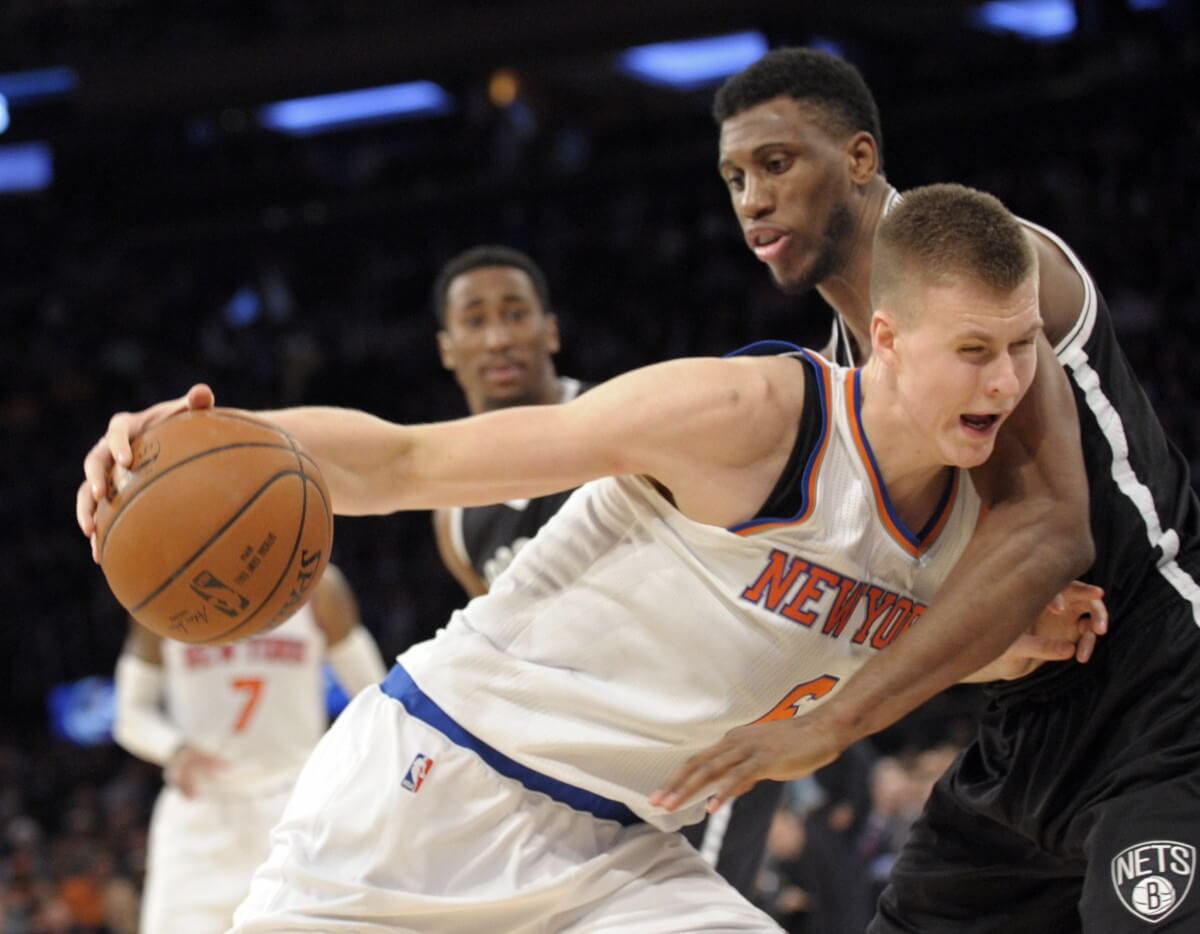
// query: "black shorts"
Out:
[739,844]
[1072,811]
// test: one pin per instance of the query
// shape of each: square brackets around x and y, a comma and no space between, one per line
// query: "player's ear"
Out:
[863,157]
[553,342]
[446,351]
[883,335]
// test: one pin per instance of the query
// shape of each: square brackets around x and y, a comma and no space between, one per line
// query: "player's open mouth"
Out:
[979,424]
[767,243]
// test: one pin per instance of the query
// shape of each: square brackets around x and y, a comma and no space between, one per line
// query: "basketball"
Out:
[220,528]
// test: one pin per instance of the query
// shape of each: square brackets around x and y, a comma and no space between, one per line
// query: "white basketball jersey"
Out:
[259,704]
[626,637]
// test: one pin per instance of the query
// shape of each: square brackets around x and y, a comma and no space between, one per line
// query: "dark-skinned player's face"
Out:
[789,182]
[497,338]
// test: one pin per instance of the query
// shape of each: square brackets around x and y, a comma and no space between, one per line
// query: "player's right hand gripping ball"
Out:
[220,528]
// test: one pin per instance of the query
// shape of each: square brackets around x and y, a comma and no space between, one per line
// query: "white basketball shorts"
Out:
[394,827]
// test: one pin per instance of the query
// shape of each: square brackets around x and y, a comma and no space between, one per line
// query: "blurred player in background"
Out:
[237,725]
[498,336]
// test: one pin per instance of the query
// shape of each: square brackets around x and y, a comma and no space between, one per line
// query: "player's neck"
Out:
[913,475]
[551,390]
[848,289]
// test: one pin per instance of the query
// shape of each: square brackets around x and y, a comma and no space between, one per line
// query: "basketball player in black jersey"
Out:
[1077,807]
[498,336]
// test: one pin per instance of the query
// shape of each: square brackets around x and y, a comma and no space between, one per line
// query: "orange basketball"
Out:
[220,528]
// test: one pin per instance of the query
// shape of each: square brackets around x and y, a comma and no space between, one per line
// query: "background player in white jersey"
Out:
[754,548]
[498,336]
[231,726]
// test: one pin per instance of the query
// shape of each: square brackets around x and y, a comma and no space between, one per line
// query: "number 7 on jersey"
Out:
[253,688]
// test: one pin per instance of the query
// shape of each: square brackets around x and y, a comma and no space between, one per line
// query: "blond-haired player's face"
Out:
[964,360]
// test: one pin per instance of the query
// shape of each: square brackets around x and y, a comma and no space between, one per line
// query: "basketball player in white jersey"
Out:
[231,726]
[769,524]
[498,336]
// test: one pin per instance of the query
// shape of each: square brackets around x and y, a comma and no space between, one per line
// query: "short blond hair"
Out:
[947,231]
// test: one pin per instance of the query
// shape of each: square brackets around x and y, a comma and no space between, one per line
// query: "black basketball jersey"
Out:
[1145,517]
[487,537]
[1144,514]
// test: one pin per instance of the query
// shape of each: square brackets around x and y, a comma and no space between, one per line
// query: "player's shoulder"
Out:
[142,643]
[335,609]
[1063,282]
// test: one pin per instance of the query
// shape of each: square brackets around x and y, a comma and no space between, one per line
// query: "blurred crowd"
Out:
[72,838]
[835,836]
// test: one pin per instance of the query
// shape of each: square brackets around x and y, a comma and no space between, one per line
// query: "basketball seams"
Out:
[287,567]
[174,576]
[191,458]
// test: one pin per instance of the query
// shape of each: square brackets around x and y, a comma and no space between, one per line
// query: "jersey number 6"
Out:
[789,706]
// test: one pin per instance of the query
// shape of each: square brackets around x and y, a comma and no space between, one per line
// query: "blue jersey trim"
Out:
[916,540]
[766,348]
[806,478]
[400,686]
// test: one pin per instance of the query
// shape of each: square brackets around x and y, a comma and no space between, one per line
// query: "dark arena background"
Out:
[161,223]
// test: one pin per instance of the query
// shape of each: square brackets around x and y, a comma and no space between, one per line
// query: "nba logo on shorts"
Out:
[1152,878]
[415,776]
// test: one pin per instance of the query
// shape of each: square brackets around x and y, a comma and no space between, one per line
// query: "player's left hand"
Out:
[1067,628]
[778,749]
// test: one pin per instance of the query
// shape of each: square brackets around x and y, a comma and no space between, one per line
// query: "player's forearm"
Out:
[139,725]
[375,467]
[361,457]
[1021,556]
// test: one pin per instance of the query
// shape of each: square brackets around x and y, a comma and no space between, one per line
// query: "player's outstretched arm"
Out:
[715,432]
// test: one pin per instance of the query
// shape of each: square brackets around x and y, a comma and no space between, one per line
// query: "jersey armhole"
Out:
[790,500]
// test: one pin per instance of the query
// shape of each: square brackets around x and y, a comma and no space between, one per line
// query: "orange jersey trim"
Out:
[914,545]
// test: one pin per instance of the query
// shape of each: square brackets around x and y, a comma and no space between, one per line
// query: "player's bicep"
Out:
[334,606]
[692,416]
